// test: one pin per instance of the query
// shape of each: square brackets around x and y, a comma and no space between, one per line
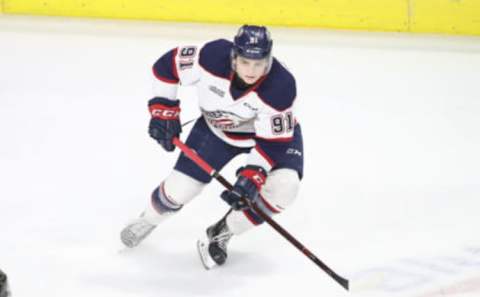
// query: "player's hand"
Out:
[250,180]
[165,122]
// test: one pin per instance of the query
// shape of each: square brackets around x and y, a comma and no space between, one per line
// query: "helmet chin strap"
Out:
[269,64]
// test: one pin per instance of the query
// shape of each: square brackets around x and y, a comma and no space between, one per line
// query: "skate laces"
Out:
[222,238]
[135,232]
[141,227]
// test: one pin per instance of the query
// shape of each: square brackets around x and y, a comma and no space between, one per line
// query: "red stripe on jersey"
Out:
[174,64]
[238,136]
[279,139]
[264,155]
[252,88]
[234,137]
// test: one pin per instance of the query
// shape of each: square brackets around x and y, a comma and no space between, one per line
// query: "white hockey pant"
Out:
[279,191]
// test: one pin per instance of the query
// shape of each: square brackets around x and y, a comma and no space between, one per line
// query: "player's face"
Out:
[250,70]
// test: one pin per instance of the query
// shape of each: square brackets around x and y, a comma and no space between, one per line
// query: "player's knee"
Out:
[279,191]
[281,188]
[181,188]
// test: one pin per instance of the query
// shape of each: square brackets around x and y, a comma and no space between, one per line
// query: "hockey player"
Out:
[246,99]
[4,290]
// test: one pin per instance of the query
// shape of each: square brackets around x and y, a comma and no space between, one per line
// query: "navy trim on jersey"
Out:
[215,58]
[239,135]
[264,155]
[278,90]
[287,154]
[165,68]
[237,93]
[217,152]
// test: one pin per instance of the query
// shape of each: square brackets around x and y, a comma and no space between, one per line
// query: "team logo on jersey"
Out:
[224,120]
[217,91]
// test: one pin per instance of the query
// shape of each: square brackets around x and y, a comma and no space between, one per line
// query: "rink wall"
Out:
[436,16]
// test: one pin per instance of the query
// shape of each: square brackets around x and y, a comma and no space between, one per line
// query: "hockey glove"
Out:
[250,180]
[165,122]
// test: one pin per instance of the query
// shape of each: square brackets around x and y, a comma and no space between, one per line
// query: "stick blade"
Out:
[344,283]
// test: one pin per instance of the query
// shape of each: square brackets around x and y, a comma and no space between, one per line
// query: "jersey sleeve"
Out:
[177,66]
[274,126]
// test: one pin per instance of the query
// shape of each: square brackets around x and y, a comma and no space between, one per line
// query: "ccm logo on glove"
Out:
[163,112]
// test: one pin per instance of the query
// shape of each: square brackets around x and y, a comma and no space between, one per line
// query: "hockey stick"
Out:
[212,172]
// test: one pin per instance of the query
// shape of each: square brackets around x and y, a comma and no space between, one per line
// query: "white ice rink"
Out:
[390,198]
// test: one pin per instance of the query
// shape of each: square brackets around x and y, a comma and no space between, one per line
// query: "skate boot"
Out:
[156,212]
[136,231]
[213,249]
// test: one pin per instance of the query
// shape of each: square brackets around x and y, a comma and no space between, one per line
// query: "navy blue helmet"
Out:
[253,42]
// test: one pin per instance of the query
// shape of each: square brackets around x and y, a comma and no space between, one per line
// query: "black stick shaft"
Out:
[204,165]
[342,281]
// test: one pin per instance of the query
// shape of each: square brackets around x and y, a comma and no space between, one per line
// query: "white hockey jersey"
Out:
[262,114]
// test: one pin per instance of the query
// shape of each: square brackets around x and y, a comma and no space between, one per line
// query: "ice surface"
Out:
[390,197]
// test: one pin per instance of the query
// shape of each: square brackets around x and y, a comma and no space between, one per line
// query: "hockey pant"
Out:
[279,191]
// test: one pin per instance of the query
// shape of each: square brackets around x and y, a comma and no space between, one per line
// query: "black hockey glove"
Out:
[165,122]
[250,180]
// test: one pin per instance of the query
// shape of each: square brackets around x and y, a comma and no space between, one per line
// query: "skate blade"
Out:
[207,261]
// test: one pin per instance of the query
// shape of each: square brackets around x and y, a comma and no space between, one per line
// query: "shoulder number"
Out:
[188,52]
[186,56]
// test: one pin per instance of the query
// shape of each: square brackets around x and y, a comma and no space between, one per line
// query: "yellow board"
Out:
[348,14]
[442,16]
[450,16]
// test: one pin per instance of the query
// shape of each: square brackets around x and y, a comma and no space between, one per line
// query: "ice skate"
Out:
[213,248]
[136,231]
